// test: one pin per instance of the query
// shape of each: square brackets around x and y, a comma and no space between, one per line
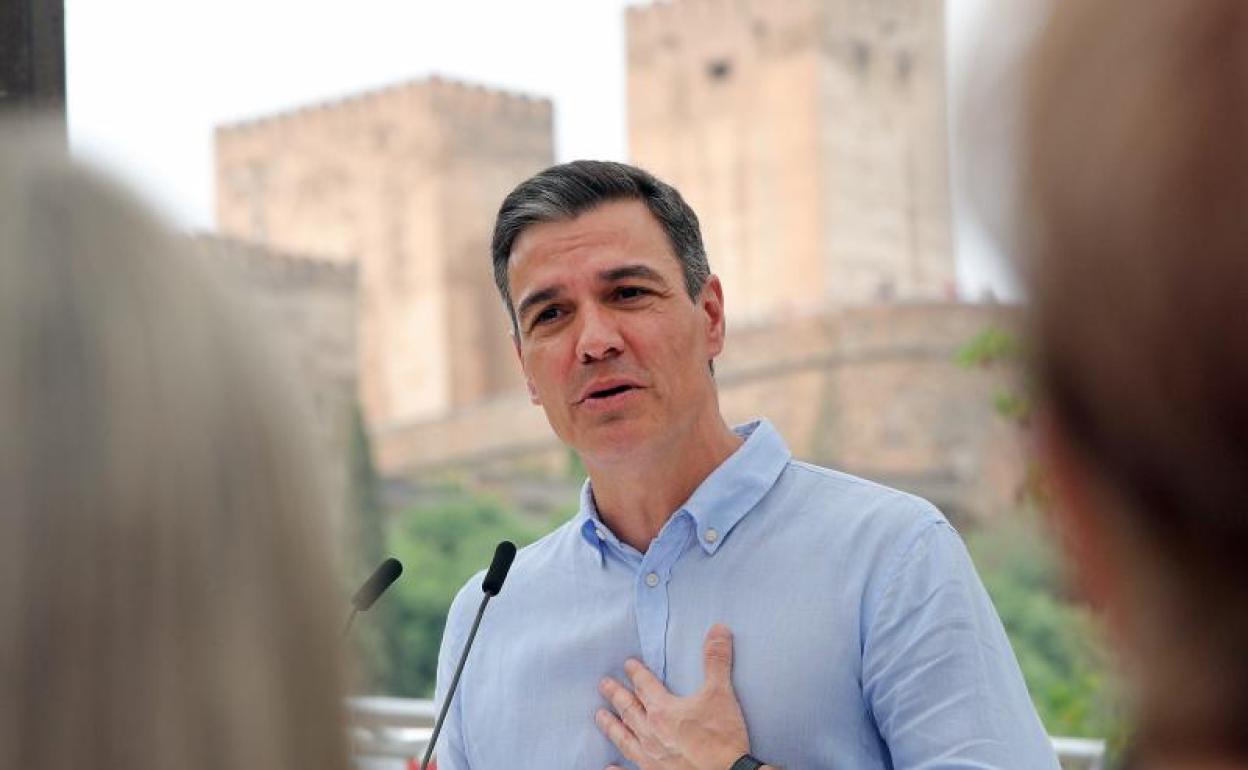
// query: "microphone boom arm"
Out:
[450,692]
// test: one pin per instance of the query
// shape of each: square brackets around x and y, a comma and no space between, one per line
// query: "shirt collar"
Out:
[722,499]
[592,528]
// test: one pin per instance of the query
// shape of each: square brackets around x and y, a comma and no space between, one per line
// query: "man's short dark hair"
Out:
[570,189]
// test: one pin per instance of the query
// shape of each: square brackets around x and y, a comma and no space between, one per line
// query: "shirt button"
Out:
[601,533]
[652,580]
[711,536]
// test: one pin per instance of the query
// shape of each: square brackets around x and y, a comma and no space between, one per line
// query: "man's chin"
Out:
[614,439]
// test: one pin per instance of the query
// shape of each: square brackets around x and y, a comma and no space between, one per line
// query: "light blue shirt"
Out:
[863,637]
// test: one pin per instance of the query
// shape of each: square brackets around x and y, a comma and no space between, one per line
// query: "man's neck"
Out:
[635,499]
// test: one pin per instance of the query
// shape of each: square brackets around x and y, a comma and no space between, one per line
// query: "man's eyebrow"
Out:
[624,272]
[537,298]
[633,271]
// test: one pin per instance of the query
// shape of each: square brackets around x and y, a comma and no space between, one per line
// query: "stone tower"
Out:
[810,137]
[404,181]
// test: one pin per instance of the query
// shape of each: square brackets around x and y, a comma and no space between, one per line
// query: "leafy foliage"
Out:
[992,345]
[995,346]
[441,547]
[1055,637]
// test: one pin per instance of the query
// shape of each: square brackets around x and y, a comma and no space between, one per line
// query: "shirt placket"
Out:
[652,594]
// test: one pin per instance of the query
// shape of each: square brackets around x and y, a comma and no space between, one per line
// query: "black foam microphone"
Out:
[490,586]
[504,554]
[375,586]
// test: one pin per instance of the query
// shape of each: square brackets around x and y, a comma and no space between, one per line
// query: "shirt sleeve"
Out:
[939,675]
[451,753]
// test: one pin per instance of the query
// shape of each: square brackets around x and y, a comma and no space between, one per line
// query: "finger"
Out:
[619,734]
[624,702]
[649,689]
[717,657]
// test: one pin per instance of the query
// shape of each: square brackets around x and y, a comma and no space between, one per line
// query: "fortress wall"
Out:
[874,391]
[403,181]
[724,104]
[809,135]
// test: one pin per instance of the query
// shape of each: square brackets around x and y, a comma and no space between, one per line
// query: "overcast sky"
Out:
[148,79]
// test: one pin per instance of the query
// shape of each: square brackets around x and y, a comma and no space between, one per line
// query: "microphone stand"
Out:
[374,587]
[491,585]
[450,693]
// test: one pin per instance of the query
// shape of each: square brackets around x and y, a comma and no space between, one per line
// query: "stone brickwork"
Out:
[809,135]
[875,391]
[404,182]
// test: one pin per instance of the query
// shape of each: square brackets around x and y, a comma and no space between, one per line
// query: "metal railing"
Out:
[389,733]
[392,733]
[1080,753]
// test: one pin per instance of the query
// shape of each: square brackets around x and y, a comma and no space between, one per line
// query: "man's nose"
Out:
[599,337]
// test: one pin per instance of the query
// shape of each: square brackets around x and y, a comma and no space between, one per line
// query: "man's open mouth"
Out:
[608,392]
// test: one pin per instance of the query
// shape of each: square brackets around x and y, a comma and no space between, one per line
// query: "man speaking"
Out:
[715,603]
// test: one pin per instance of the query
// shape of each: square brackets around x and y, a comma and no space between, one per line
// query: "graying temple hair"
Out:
[568,190]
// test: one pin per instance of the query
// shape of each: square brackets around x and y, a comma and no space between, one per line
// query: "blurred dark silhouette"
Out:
[1136,236]
[166,595]
[32,63]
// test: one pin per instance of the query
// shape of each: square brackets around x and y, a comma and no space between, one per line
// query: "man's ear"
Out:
[528,381]
[711,303]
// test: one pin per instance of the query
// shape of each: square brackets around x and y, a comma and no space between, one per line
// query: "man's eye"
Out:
[547,315]
[630,292]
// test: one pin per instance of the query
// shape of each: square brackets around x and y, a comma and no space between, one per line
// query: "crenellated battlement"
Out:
[437,93]
[399,182]
[660,23]
[471,99]
[269,266]
[819,178]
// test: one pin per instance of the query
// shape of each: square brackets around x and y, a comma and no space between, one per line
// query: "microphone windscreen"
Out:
[503,556]
[377,583]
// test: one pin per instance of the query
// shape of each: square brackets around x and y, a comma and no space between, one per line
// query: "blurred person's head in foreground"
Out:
[1136,194]
[164,578]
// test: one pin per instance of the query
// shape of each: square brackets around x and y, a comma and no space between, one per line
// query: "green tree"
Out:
[1055,638]
[441,546]
[1054,635]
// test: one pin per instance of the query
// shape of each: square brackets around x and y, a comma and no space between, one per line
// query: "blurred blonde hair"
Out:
[166,599]
[1136,194]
